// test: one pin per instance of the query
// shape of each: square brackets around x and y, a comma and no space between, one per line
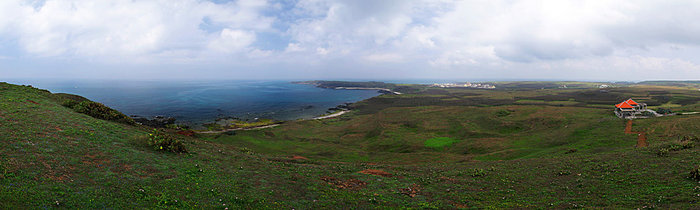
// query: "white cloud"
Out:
[540,39]
[232,40]
[132,29]
[384,57]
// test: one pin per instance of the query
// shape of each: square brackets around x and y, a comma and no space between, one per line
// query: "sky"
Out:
[355,39]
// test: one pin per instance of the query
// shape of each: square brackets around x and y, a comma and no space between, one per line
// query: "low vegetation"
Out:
[94,109]
[227,124]
[165,142]
[435,148]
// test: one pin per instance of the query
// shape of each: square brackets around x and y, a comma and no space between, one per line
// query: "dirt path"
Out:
[628,128]
[331,115]
[641,136]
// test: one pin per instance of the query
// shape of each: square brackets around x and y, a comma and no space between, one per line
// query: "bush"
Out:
[246,150]
[162,141]
[689,138]
[478,172]
[502,113]
[663,152]
[564,173]
[69,103]
[695,174]
[663,111]
[100,111]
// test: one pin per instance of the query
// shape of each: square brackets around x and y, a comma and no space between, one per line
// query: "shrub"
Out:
[564,173]
[502,113]
[478,172]
[100,111]
[689,138]
[681,145]
[663,111]
[663,152]
[69,103]
[695,174]
[177,126]
[246,150]
[162,141]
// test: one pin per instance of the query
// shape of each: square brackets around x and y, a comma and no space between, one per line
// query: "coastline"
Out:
[331,115]
[365,88]
[239,129]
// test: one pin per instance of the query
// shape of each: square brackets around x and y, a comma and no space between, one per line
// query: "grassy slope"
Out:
[49,153]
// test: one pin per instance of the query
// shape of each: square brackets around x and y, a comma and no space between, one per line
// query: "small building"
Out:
[629,108]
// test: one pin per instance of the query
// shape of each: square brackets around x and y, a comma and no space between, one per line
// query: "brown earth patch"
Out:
[642,140]
[122,168]
[411,191]
[641,136]
[30,101]
[96,160]
[297,157]
[344,184]
[447,179]
[628,127]
[461,206]
[186,133]
[376,172]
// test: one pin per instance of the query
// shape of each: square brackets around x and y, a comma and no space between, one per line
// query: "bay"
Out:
[197,102]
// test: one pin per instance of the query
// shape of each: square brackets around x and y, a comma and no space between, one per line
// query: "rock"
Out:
[156,122]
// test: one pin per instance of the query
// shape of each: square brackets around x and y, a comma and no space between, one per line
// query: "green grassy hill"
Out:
[436,148]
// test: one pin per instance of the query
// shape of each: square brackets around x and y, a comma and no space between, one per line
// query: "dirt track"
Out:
[641,136]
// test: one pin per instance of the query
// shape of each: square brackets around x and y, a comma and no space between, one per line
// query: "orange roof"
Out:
[631,102]
[624,105]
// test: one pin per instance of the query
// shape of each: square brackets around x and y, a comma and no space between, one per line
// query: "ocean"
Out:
[197,102]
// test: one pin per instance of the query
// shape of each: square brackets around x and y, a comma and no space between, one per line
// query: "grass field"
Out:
[516,147]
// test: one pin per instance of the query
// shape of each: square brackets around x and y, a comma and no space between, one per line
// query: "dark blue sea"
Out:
[197,102]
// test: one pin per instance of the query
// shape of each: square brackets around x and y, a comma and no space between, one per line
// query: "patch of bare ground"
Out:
[376,172]
[297,157]
[352,184]
[411,191]
[641,136]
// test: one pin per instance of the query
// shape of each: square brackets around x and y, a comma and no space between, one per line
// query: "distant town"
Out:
[463,85]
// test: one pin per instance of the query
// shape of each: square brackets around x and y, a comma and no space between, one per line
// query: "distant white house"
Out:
[629,108]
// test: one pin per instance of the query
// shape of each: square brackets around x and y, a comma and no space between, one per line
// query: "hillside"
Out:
[430,148]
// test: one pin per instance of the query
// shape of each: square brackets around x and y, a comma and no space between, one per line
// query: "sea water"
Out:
[197,102]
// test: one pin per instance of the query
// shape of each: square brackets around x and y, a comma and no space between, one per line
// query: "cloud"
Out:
[231,40]
[421,38]
[105,29]
[383,57]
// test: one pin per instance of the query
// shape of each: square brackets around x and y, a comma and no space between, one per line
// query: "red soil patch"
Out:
[186,133]
[642,140]
[98,160]
[461,206]
[447,179]
[641,136]
[297,157]
[628,128]
[30,101]
[411,191]
[376,172]
[344,184]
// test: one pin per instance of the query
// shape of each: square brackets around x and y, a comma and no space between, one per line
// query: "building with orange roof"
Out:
[629,108]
